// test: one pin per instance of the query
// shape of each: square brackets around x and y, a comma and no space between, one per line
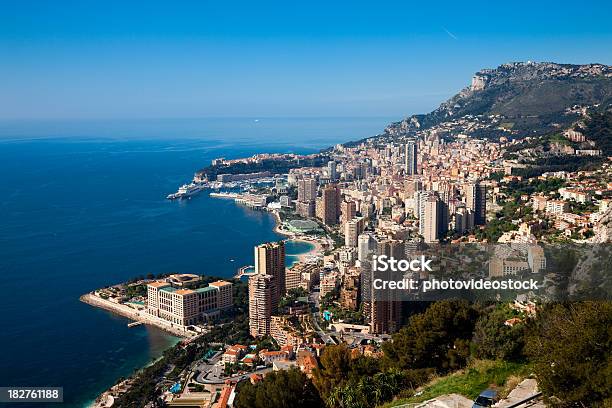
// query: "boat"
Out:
[186,191]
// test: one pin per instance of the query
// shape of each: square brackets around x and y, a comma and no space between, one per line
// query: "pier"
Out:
[247,270]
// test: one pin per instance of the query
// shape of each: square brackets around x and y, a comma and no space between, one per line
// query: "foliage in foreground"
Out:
[570,346]
[439,338]
[279,389]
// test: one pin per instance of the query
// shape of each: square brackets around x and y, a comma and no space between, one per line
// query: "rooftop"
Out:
[159,284]
[206,289]
[219,283]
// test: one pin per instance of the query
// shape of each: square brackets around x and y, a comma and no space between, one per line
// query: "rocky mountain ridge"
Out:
[526,97]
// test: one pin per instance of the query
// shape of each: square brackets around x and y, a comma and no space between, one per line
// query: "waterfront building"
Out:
[285,201]
[305,209]
[225,298]
[185,307]
[184,280]
[270,260]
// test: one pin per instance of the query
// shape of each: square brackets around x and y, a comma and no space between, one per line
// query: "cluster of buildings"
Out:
[270,282]
[573,210]
[381,199]
[392,195]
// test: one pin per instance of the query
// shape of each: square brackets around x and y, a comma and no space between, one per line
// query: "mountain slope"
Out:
[532,97]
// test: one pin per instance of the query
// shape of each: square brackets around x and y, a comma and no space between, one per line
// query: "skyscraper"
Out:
[352,229]
[331,169]
[476,200]
[385,315]
[270,260]
[307,189]
[348,210]
[261,305]
[329,205]
[464,220]
[420,197]
[366,245]
[385,306]
[431,221]
[411,158]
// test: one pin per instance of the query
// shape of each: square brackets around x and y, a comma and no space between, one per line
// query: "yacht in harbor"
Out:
[186,191]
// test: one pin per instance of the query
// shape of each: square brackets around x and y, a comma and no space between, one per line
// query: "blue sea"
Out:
[82,205]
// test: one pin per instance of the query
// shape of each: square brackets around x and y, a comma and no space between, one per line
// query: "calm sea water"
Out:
[82,206]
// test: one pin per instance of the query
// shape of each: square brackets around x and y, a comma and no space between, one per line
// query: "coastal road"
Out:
[214,375]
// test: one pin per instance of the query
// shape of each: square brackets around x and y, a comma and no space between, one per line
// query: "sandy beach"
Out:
[317,248]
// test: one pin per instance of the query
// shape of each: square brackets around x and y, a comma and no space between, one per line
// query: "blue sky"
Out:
[131,59]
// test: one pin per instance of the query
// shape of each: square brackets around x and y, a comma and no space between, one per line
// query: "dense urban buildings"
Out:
[411,191]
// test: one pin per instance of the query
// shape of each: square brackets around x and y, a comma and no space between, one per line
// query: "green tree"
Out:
[279,389]
[367,391]
[334,370]
[438,338]
[493,339]
[571,348]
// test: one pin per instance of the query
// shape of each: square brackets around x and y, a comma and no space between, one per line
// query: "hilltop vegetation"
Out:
[531,97]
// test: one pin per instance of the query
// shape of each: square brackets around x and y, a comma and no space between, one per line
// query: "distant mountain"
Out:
[529,97]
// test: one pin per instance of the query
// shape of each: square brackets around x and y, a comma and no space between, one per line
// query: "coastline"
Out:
[106,398]
[317,247]
[133,314]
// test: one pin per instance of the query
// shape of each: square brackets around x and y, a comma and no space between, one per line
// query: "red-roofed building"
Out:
[307,362]
[226,393]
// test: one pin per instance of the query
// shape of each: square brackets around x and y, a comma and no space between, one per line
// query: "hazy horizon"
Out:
[114,60]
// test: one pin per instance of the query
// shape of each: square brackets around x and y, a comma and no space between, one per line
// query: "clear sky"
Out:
[139,59]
